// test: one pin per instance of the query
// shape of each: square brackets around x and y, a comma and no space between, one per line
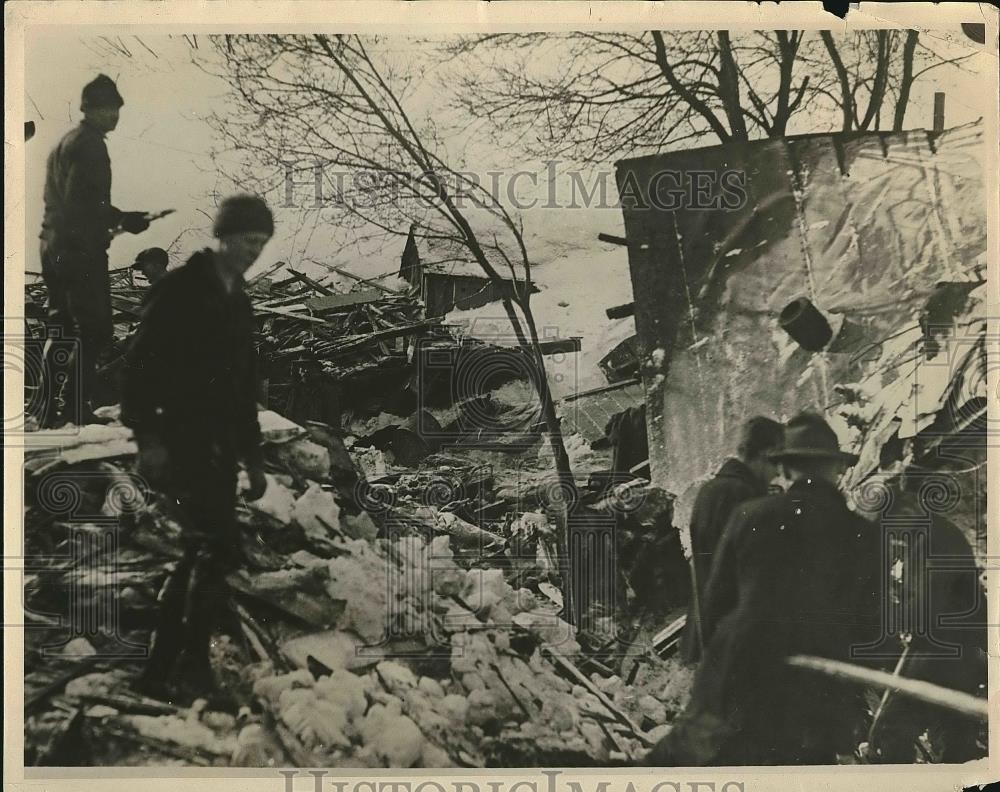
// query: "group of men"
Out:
[799,573]
[188,387]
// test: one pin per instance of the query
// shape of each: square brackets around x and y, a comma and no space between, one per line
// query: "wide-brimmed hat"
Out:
[809,436]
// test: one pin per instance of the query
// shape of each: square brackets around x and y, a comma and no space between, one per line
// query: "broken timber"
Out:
[915,688]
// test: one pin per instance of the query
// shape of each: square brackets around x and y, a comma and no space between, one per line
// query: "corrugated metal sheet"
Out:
[863,225]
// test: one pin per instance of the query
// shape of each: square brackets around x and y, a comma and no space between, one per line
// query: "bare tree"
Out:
[614,93]
[875,71]
[338,103]
[596,96]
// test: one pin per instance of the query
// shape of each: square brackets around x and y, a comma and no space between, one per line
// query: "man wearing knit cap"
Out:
[189,392]
[152,263]
[795,573]
[77,227]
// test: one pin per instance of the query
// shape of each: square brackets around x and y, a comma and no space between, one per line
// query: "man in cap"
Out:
[745,476]
[77,227]
[808,573]
[189,390]
[152,263]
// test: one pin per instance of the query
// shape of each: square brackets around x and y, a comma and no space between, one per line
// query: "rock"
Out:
[308,460]
[182,732]
[433,756]
[371,462]
[653,709]
[277,501]
[482,707]
[78,647]
[97,684]
[276,428]
[317,512]
[272,687]
[336,649]
[358,526]
[657,733]
[257,747]
[455,708]
[396,675]
[431,687]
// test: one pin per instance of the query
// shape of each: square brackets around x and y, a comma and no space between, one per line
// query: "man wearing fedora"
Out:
[795,573]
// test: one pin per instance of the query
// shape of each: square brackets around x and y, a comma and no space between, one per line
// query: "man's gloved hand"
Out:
[134,222]
[258,483]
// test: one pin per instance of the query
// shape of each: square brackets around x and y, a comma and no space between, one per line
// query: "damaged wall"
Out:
[864,225]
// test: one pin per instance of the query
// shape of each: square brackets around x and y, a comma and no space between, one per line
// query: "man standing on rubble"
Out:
[189,393]
[77,228]
[807,582]
[745,476]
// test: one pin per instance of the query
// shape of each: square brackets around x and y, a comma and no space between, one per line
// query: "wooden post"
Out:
[939,111]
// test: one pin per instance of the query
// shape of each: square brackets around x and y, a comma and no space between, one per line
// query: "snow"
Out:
[588,281]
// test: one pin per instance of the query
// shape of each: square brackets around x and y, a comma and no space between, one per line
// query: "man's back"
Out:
[714,504]
[77,193]
[806,577]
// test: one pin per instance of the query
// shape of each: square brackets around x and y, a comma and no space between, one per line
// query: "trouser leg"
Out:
[90,303]
[167,642]
[209,507]
[59,348]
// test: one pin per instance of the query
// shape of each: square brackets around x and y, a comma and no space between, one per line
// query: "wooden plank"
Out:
[939,111]
[310,282]
[290,314]
[915,688]
[621,311]
[602,389]
[353,342]
[332,301]
[614,240]
[554,346]
[347,273]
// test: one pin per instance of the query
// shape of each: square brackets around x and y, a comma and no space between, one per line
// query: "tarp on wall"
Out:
[864,225]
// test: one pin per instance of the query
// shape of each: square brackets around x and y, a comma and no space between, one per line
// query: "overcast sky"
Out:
[160,150]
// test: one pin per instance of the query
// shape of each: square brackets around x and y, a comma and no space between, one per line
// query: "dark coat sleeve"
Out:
[148,362]
[721,590]
[713,507]
[249,437]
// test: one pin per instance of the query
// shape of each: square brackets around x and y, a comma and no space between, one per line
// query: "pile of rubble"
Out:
[405,618]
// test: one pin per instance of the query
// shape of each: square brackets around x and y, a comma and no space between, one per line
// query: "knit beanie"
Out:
[241,213]
[101,92]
